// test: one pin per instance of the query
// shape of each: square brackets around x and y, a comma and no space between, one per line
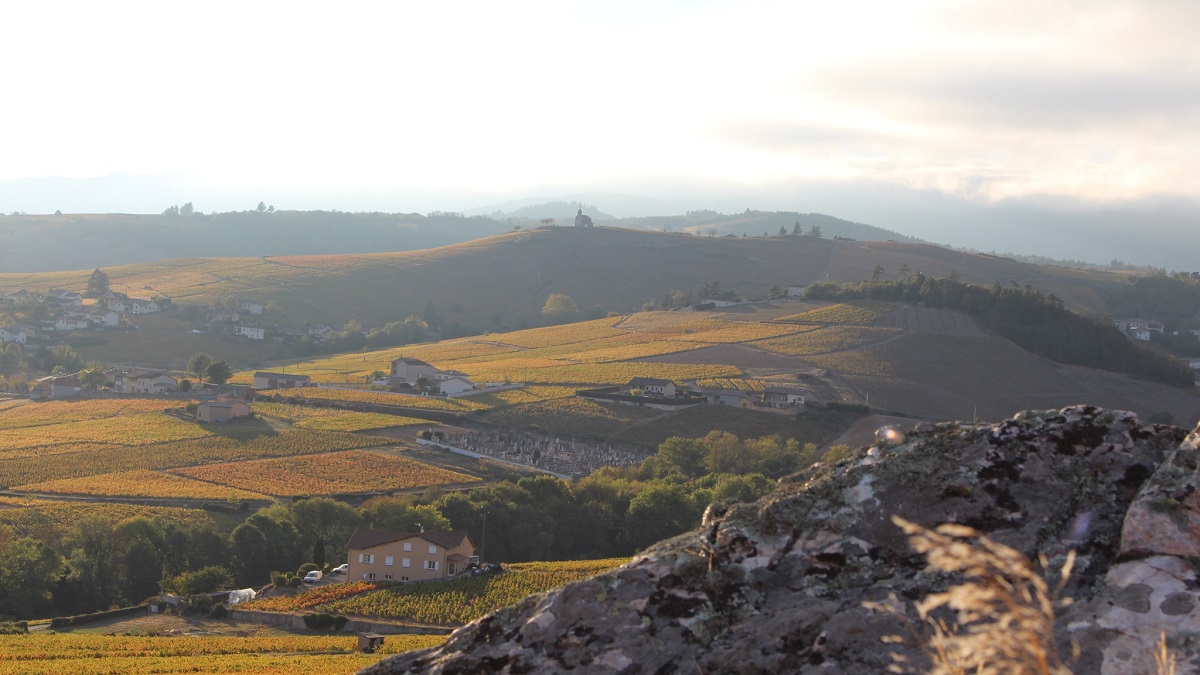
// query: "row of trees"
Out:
[612,512]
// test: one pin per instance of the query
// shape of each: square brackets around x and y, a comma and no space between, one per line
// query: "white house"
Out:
[67,323]
[13,334]
[252,332]
[104,318]
[652,386]
[455,385]
[55,386]
[251,306]
[143,382]
[137,306]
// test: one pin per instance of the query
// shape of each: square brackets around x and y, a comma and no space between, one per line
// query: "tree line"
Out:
[97,563]
[1037,322]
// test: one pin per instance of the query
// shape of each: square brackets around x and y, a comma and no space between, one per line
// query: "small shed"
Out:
[369,642]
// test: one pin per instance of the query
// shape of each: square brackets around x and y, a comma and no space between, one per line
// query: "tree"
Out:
[187,209]
[318,552]
[271,209]
[796,229]
[198,365]
[546,222]
[97,284]
[775,292]
[30,572]
[560,308]
[262,207]
[877,274]
[219,372]
[782,230]
[205,580]
[185,386]
[250,560]
[814,230]
[94,377]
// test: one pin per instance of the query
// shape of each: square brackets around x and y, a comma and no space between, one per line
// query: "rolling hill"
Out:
[502,281]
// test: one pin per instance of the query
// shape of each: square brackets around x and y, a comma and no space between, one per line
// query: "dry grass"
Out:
[1003,611]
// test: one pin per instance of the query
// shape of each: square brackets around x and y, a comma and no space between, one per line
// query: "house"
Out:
[109,319]
[64,298]
[251,307]
[55,386]
[409,370]
[380,555]
[13,334]
[1144,324]
[67,323]
[651,386]
[221,410]
[1140,334]
[266,380]
[21,297]
[795,291]
[143,382]
[252,332]
[454,385]
[137,306]
[783,397]
[1194,364]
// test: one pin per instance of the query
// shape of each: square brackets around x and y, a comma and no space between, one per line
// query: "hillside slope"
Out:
[503,280]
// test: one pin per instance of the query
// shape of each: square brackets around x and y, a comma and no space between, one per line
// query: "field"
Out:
[828,339]
[331,419]
[130,448]
[446,603]
[571,417]
[85,654]
[855,313]
[327,474]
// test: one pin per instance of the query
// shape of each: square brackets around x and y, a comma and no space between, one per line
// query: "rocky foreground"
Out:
[779,585]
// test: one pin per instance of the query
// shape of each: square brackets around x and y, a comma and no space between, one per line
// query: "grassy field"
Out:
[443,603]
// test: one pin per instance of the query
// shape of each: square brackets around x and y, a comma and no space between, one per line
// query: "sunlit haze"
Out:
[457,105]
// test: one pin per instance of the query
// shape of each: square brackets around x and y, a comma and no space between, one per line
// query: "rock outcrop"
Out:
[779,585]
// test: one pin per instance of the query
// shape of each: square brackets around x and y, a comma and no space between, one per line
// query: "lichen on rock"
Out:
[779,585]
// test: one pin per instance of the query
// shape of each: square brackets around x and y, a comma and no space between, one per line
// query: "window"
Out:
[403,578]
[387,577]
[406,562]
[370,576]
[367,558]
[388,560]
[408,546]
[431,564]
[432,549]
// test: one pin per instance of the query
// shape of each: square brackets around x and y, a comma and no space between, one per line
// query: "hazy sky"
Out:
[1093,103]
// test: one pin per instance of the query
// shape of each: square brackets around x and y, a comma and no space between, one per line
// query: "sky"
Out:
[883,112]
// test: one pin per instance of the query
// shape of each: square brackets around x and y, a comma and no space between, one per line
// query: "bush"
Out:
[22,627]
[306,568]
[280,578]
[218,612]
[325,621]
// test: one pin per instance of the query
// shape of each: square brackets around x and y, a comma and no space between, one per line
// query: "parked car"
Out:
[312,577]
[340,569]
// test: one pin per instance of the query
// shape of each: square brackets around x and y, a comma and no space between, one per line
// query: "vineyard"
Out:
[331,419]
[857,313]
[829,339]
[327,474]
[446,603]
[142,483]
[82,654]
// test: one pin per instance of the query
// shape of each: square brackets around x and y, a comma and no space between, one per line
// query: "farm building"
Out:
[221,410]
[266,380]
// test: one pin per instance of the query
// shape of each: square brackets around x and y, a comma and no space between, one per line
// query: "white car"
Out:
[340,569]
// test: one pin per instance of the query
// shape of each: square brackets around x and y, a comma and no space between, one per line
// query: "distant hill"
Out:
[44,243]
[502,281]
[757,223]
